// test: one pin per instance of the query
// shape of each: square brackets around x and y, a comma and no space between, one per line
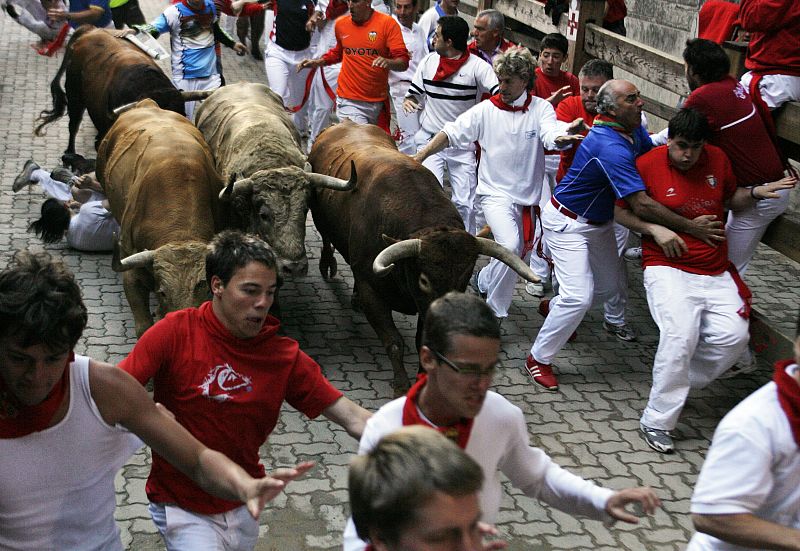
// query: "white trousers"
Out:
[193,84]
[701,336]
[184,530]
[497,280]
[463,171]
[407,123]
[614,307]
[33,17]
[746,227]
[539,265]
[360,112]
[320,103]
[775,89]
[587,266]
[283,78]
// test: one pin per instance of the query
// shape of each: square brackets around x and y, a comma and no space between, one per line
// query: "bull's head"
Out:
[441,260]
[178,272]
[273,205]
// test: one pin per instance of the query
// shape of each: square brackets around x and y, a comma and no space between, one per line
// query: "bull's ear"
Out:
[389,240]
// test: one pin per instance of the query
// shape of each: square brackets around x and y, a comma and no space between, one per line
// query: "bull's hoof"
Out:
[328,268]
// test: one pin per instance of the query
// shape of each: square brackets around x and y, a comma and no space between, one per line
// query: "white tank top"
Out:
[57,485]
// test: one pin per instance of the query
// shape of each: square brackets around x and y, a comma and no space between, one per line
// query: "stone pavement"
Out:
[589,427]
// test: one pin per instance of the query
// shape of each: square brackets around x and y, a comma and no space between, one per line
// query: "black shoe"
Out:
[257,53]
[24,178]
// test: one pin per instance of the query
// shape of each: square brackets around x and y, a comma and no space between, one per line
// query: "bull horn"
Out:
[123,108]
[323,180]
[384,262]
[195,95]
[495,250]
[138,260]
[242,186]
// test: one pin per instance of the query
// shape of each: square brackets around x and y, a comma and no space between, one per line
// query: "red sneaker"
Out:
[544,310]
[542,374]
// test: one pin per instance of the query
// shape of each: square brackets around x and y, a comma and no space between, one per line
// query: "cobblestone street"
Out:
[590,426]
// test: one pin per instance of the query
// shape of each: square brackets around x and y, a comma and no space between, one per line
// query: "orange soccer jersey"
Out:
[357,46]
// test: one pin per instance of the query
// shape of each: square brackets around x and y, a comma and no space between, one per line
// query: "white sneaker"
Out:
[535,289]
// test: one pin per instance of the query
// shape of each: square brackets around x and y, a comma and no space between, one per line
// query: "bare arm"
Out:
[746,196]
[399,64]
[669,241]
[122,400]
[706,228]
[438,142]
[748,530]
[348,415]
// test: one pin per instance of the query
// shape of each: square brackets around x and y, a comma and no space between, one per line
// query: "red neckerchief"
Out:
[458,433]
[500,104]
[448,67]
[17,420]
[788,396]
[744,292]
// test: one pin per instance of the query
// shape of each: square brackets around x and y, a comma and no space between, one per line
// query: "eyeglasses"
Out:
[467,372]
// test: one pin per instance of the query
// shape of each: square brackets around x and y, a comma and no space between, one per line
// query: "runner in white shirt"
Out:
[399,82]
[509,182]
[446,84]
[459,354]
[748,492]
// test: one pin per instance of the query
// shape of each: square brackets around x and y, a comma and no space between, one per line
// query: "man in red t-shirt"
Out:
[369,44]
[696,297]
[739,130]
[224,373]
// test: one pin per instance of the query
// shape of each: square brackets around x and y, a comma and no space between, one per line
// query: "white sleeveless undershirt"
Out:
[57,485]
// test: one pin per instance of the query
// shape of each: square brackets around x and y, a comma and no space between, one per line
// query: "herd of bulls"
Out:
[165,179]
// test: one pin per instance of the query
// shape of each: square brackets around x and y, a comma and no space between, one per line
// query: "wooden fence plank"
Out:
[643,61]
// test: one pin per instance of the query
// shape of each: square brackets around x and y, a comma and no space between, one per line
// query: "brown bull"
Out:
[159,176]
[104,72]
[399,203]
[253,139]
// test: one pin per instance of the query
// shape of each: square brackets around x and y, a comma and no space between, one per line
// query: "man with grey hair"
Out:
[487,35]
[509,184]
[578,221]
[414,486]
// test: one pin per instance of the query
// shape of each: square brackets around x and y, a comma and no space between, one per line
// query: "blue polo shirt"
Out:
[82,5]
[603,170]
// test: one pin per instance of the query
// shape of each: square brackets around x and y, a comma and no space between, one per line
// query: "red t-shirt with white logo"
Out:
[703,189]
[224,390]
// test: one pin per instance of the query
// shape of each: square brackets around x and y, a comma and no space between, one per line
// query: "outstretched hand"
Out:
[266,489]
[646,497]
[771,189]
[559,95]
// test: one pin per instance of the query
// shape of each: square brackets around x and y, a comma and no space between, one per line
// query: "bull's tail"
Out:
[59,95]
